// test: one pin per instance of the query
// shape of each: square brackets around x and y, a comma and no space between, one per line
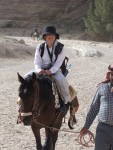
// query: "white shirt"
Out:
[45,59]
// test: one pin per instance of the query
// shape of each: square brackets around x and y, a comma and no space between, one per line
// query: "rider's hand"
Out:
[42,72]
[48,72]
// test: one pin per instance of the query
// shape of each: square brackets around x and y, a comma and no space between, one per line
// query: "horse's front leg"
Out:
[55,133]
[49,141]
[38,142]
[55,137]
[36,132]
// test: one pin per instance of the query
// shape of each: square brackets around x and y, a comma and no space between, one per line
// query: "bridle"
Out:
[36,101]
[34,111]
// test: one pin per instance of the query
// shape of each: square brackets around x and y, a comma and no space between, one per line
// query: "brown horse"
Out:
[38,109]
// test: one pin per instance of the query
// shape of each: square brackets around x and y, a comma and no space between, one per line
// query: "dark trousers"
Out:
[104,137]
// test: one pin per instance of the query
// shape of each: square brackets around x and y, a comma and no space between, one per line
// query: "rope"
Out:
[55,129]
[81,138]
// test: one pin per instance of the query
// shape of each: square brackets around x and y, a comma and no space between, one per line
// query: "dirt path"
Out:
[84,76]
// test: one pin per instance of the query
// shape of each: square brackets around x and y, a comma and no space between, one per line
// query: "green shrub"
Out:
[99,19]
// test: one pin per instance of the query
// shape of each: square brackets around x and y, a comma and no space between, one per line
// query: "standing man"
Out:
[102,105]
[47,62]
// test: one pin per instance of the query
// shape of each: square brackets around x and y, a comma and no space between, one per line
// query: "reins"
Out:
[36,102]
[80,139]
[54,129]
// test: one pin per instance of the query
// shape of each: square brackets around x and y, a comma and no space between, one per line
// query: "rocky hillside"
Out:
[65,14]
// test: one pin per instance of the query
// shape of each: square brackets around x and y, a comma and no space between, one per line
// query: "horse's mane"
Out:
[45,87]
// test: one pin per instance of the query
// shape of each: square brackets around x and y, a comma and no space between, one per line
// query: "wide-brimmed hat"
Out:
[50,30]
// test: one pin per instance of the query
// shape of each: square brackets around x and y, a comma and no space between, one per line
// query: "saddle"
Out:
[58,95]
[72,92]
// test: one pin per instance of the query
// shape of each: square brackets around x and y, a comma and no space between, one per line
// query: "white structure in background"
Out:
[88,51]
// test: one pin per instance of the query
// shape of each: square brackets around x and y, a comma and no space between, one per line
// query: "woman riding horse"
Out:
[37,106]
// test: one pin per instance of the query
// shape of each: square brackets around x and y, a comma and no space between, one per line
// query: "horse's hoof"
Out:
[71,122]
[70,126]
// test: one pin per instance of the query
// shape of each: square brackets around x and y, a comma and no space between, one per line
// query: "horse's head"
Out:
[27,94]
[35,94]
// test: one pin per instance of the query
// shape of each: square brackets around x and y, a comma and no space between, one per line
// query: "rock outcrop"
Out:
[65,14]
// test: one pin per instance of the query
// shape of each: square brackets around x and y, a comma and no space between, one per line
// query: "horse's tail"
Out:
[73,109]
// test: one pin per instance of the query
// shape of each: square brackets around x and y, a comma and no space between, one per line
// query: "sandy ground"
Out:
[85,74]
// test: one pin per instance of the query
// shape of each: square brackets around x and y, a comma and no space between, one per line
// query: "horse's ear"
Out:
[20,78]
[34,76]
[34,79]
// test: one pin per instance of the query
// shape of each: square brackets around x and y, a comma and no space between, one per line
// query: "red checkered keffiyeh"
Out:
[107,78]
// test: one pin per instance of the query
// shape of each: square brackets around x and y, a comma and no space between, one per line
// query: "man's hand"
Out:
[81,137]
[83,131]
